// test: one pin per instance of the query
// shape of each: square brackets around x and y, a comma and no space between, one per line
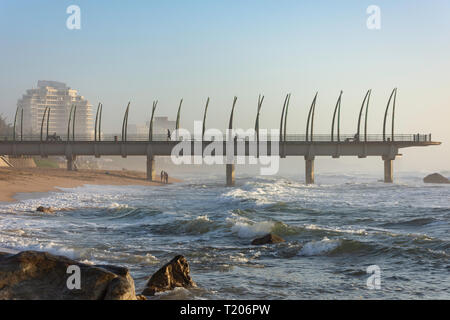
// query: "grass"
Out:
[45,163]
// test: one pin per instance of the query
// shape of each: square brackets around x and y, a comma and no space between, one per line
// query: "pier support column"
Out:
[150,168]
[309,170]
[230,175]
[388,170]
[71,163]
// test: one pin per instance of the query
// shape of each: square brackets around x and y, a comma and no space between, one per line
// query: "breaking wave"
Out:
[316,248]
[343,224]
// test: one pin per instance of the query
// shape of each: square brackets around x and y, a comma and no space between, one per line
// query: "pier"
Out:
[309,145]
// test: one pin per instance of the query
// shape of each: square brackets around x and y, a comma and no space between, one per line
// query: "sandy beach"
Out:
[13,180]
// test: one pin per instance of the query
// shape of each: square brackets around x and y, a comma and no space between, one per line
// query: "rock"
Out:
[4,254]
[268,239]
[435,178]
[44,209]
[33,275]
[121,287]
[173,274]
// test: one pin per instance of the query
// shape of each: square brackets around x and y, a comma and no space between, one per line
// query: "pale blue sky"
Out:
[165,50]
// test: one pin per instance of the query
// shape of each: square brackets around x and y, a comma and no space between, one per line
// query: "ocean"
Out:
[334,231]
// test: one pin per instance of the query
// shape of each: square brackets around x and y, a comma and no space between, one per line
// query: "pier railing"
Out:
[343,138]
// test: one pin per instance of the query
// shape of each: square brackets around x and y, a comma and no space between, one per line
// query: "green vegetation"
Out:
[45,163]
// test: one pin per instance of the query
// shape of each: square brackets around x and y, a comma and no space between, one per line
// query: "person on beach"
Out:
[162,175]
[166,177]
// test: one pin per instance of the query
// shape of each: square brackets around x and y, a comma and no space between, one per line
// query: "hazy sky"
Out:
[165,50]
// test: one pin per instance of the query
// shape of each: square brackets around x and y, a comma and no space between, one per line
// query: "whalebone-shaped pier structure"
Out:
[310,145]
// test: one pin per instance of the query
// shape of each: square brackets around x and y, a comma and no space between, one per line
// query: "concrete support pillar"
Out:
[150,168]
[230,175]
[71,163]
[309,170]
[388,170]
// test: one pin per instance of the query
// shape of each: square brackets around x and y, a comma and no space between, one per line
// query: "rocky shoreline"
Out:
[35,275]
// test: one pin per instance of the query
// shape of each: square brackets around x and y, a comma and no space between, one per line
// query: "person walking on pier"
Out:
[168,135]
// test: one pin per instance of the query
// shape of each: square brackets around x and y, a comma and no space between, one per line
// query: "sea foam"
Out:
[317,248]
[246,228]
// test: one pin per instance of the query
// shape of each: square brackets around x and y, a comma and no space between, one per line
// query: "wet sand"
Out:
[13,180]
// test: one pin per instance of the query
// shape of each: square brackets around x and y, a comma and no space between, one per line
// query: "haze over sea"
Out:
[334,230]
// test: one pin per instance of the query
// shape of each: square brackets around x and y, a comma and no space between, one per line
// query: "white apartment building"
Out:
[160,127]
[161,124]
[59,98]
[137,130]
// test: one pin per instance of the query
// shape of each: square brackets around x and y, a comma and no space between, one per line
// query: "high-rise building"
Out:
[160,127]
[161,124]
[137,130]
[60,99]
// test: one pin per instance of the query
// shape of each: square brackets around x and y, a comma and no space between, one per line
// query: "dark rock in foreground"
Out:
[268,239]
[435,178]
[174,274]
[44,209]
[32,275]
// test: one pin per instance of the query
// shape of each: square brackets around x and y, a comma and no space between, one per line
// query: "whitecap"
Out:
[336,229]
[317,248]
[240,258]
[245,228]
